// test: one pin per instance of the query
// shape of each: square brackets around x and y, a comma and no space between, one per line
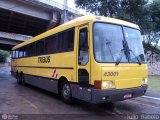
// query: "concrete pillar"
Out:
[56,20]
[65,11]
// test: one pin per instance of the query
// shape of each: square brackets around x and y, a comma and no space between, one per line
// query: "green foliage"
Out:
[99,7]
[154,10]
[134,11]
[132,8]
[151,47]
[3,55]
[153,83]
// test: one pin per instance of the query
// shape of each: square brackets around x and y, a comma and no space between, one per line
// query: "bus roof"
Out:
[76,22]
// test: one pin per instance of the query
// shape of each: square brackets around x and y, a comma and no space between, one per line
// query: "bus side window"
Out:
[16,54]
[27,50]
[40,47]
[83,47]
[20,53]
[13,53]
[60,42]
[50,44]
[24,53]
[68,40]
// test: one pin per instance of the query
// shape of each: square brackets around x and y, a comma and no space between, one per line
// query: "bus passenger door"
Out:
[83,64]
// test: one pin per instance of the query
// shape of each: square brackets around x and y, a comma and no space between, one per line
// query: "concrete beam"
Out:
[9,40]
[13,37]
[49,11]
[27,8]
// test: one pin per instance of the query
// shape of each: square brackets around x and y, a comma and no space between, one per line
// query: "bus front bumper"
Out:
[103,96]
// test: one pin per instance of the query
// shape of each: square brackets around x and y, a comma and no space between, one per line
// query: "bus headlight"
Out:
[107,84]
[110,84]
[104,84]
[144,81]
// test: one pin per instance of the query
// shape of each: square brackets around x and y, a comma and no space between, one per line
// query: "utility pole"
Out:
[65,9]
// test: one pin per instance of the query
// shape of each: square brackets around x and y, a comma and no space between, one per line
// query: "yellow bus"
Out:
[91,58]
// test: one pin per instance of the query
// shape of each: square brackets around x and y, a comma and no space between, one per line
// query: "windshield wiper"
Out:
[118,61]
[127,53]
[139,62]
[126,50]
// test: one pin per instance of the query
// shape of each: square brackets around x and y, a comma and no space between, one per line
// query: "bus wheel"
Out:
[18,77]
[66,93]
[22,79]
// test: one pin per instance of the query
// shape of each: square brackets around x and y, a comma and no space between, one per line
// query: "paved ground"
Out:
[28,102]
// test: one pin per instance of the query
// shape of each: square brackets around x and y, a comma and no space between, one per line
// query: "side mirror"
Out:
[80,58]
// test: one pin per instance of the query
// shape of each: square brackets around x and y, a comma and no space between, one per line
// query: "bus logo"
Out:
[4,116]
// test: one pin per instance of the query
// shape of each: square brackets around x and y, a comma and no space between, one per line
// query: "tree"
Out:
[99,7]
[3,55]
[133,11]
[153,30]
[155,14]
[126,9]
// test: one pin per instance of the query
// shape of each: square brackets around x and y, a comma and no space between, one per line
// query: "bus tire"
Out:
[18,77]
[66,92]
[22,79]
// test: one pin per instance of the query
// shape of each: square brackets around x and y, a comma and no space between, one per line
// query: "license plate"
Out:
[127,96]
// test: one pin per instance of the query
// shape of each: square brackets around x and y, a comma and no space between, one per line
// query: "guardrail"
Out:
[60,6]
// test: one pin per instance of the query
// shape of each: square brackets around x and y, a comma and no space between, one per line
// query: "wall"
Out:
[153,61]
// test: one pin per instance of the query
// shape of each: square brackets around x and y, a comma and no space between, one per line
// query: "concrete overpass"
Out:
[8,40]
[31,17]
[22,18]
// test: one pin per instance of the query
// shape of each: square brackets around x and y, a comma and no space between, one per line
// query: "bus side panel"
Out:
[13,67]
[46,74]
[44,83]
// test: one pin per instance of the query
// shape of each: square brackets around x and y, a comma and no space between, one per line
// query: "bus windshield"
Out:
[109,47]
